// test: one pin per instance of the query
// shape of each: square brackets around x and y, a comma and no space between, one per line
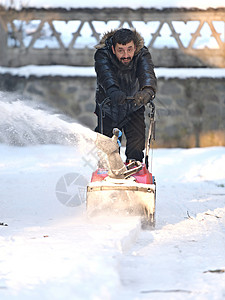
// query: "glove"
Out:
[144,97]
[117,96]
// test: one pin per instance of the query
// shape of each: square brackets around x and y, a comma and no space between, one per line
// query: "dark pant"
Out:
[134,130]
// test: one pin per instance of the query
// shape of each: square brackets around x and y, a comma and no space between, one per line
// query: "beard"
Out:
[125,60]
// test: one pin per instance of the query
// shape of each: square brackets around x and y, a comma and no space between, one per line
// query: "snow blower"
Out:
[123,188]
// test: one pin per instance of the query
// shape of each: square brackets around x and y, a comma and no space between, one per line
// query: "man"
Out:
[124,68]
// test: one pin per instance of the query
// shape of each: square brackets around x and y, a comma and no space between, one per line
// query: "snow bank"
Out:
[190,165]
[67,71]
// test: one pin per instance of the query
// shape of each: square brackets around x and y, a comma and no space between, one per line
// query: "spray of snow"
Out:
[29,123]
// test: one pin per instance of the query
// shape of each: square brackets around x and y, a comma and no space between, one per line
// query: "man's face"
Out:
[124,53]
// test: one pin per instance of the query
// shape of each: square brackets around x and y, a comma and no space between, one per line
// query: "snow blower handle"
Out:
[101,115]
[101,112]
[151,132]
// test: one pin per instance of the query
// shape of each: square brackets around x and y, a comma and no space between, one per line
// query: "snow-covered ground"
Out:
[50,249]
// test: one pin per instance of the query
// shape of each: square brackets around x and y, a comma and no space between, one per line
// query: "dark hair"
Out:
[123,36]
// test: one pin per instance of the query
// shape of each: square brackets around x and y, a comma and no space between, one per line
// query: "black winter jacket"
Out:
[129,79]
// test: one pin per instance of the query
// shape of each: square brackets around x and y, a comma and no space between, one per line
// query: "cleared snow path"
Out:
[49,250]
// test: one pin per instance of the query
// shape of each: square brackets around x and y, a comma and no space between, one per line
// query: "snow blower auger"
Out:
[123,188]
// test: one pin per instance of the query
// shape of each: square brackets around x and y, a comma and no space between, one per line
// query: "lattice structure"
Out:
[175,37]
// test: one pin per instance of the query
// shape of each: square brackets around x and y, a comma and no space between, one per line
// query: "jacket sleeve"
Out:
[103,67]
[145,70]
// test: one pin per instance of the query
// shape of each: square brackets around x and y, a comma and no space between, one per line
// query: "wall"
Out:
[189,112]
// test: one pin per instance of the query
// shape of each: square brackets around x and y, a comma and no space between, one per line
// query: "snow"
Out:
[39,71]
[68,4]
[51,250]
[67,71]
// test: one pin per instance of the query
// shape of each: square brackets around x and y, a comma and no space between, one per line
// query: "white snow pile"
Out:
[50,249]
[67,71]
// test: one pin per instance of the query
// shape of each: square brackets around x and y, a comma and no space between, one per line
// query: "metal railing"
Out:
[175,37]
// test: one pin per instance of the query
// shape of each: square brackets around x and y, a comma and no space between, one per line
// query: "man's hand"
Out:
[118,97]
[144,97]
